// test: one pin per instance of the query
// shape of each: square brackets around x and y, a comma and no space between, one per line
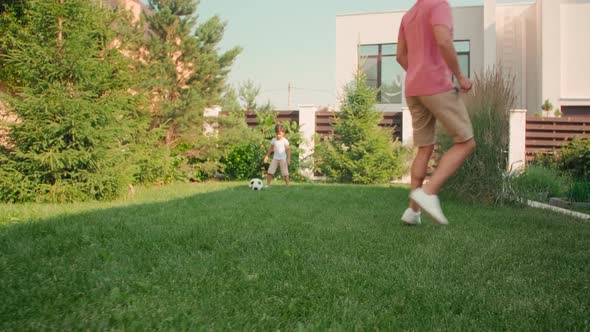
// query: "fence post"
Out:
[307,124]
[517,145]
[210,123]
[407,129]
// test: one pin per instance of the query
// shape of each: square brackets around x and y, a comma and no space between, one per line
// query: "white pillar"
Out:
[307,124]
[210,123]
[517,145]
[489,33]
[407,129]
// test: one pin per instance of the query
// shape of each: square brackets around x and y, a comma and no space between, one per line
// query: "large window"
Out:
[463,49]
[382,71]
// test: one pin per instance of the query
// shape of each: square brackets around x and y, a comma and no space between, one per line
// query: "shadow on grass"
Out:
[309,256]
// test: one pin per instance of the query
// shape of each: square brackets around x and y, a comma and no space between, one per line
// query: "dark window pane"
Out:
[464,63]
[369,67]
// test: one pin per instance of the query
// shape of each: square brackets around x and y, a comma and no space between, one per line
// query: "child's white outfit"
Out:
[279,158]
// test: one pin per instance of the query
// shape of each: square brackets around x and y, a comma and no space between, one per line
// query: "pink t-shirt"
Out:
[428,74]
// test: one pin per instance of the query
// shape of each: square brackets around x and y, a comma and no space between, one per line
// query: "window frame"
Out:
[468,53]
[379,56]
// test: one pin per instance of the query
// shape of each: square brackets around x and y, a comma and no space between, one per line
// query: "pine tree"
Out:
[71,93]
[360,151]
[188,73]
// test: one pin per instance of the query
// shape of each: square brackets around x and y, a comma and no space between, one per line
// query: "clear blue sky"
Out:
[292,41]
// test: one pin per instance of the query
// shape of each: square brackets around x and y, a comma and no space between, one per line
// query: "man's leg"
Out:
[450,111]
[419,168]
[449,163]
[448,108]
[423,123]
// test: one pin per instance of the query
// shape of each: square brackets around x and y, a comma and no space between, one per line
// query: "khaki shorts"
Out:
[273,167]
[448,108]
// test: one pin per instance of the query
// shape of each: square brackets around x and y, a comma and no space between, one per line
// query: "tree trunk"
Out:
[60,22]
[170,135]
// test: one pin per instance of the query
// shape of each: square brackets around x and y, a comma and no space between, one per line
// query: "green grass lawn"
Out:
[309,257]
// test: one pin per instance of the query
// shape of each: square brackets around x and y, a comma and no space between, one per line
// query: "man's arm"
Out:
[444,41]
[288,148]
[402,50]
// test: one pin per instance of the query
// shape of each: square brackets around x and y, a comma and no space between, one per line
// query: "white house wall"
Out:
[532,61]
[550,50]
[517,50]
[575,53]
[353,30]
[468,26]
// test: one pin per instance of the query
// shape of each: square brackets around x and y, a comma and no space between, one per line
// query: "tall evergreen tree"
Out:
[360,151]
[188,72]
[71,93]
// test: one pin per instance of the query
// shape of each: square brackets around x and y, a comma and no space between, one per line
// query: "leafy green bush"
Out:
[549,160]
[360,151]
[244,162]
[575,158]
[153,165]
[540,183]
[482,177]
[205,158]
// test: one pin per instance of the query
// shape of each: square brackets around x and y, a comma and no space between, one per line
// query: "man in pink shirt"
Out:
[425,50]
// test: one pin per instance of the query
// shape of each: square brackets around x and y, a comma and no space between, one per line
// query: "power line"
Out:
[272,90]
[315,90]
[296,88]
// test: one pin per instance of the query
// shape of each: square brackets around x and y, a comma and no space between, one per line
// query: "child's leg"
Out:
[268,179]
[271,171]
[285,171]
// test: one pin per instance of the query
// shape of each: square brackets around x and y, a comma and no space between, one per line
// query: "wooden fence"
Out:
[325,121]
[290,116]
[547,135]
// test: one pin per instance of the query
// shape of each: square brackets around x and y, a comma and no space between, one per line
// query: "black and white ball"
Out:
[255,184]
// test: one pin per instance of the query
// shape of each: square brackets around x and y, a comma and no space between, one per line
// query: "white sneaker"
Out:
[266,186]
[411,217]
[430,204]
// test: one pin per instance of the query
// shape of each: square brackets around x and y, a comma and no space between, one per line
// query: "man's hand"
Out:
[266,159]
[288,161]
[464,83]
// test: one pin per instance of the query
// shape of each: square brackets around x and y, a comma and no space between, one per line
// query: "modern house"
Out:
[545,44]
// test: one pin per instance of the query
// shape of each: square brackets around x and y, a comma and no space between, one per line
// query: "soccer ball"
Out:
[255,184]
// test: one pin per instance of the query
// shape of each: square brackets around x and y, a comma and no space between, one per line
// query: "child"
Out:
[282,155]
